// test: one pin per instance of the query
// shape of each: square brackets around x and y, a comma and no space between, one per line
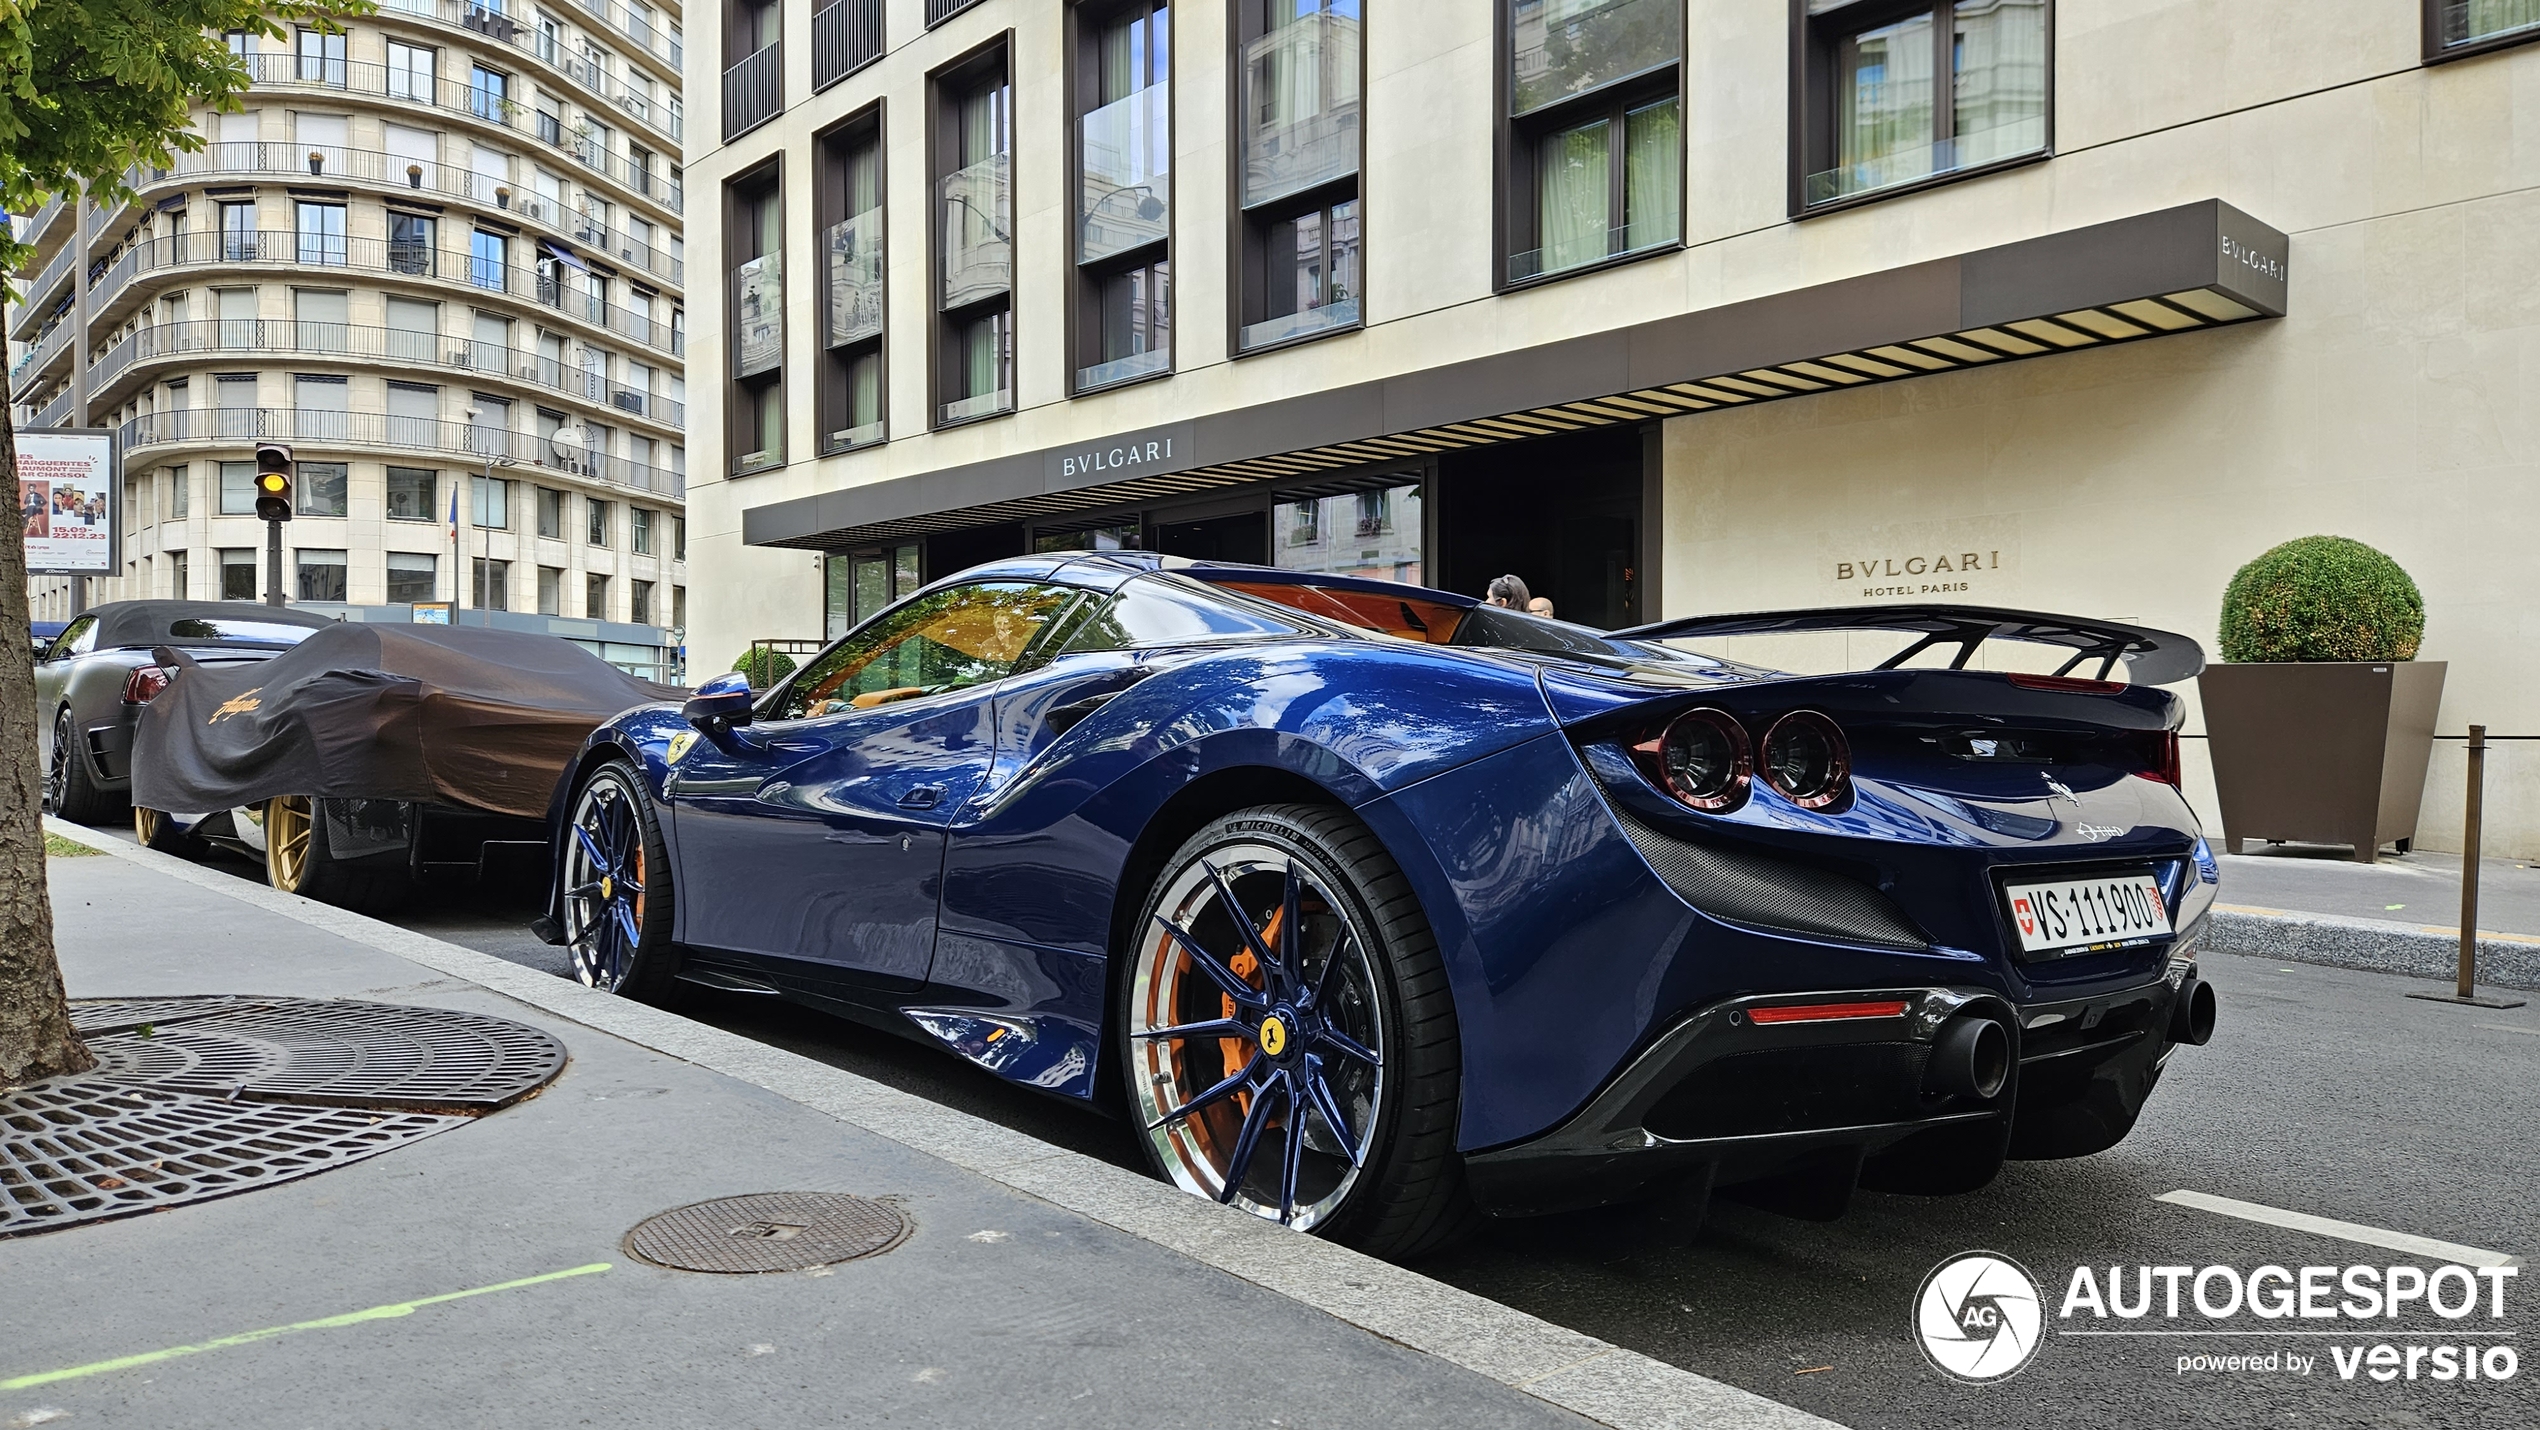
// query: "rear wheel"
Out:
[157,831]
[615,878]
[70,785]
[298,860]
[1289,1039]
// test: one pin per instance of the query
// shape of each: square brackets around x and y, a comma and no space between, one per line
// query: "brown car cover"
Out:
[454,715]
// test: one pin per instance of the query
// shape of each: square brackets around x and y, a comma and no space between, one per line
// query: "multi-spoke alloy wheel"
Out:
[616,894]
[1281,981]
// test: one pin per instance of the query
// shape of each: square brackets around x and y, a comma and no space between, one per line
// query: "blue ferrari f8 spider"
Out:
[1379,910]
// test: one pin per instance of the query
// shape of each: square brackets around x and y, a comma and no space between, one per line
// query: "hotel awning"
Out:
[2200,265]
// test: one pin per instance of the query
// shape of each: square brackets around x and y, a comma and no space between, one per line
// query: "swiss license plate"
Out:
[2062,916]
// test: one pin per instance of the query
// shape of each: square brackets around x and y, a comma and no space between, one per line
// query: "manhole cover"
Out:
[769,1231]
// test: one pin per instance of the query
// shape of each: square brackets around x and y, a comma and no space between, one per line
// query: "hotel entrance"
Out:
[1567,515]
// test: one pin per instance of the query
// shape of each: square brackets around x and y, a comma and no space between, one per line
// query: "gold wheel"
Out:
[287,835]
[148,825]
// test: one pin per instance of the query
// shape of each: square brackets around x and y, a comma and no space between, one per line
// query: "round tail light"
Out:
[1807,761]
[1703,759]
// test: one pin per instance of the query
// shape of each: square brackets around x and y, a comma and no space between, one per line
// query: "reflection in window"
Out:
[1595,132]
[1310,274]
[2465,22]
[1892,119]
[961,636]
[1371,533]
[1149,612]
[1117,536]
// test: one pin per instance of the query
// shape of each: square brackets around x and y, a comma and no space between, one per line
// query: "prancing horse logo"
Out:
[2058,788]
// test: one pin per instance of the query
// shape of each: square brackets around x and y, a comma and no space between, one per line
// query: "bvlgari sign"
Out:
[1130,454]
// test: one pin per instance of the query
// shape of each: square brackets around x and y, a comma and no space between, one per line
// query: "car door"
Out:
[816,833]
[53,677]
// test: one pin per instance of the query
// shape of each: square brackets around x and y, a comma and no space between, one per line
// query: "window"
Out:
[410,73]
[411,244]
[317,489]
[490,506]
[679,608]
[639,530]
[414,330]
[412,576]
[1297,255]
[595,514]
[678,534]
[958,637]
[551,514]
[321,406]
[492,585]
[595,597]
[321,575]
[2468,27]
[849,196]
[489,260]
[177,588]
[321,233]
[1148,612]
[754,223]
[1124,143]
[1374,533]
[489,94]
[238,489]
[180,492]
[238,571]
[1306,272]
[412,494]
[1595,144]
[321,57]
[550,590]
[238,233]
[860,585]
[974,235]
[1895,95]
[1107,536]
[753,76]
[414,415]
[639,602]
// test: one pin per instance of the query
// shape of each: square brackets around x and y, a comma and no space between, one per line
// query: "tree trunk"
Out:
[35,1020]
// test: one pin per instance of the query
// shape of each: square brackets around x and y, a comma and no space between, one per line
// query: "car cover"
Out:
[456,715]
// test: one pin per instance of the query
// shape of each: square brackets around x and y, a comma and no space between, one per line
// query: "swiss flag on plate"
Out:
[2028,916]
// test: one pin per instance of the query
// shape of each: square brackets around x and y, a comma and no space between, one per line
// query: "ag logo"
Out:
[1978,1317]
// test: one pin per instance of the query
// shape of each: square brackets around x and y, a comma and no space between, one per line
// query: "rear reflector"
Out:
[1826,1012]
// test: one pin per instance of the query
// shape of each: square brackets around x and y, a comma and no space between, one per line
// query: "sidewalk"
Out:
[2399,915]
[1040,1287]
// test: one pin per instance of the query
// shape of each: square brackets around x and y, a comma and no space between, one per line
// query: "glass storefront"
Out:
[859,584]
[1373,533]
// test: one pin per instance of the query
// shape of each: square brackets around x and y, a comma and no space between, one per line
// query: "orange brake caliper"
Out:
[1247,968]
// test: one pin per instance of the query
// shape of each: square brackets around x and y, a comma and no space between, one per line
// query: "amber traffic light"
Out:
[273,481]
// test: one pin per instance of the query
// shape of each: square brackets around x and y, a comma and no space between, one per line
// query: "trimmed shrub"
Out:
[764,667]
[2321,598]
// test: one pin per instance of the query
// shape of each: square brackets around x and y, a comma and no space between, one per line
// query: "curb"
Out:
[1578,1373]
[2375,945]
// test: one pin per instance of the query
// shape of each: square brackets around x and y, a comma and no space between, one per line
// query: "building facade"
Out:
[1665,306]
[441,255]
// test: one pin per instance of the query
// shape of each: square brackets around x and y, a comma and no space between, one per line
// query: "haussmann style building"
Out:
[441,254]
[1665,306]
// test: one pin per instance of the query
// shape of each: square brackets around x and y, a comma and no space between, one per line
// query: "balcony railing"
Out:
[978,235]
[753,91]
[986,404]
[855,278]
[1339,314]
[37,296]
[1121,369]
[396,345]
[938,11]
[56,413]
[396,171]
[395,433]
[1922,161]
[489,19]
[758,314]
[651,39]
[38,360]
[539,282]
[846,35]
[1594,247]
[1127,166]
[1301,106]
[1589,46]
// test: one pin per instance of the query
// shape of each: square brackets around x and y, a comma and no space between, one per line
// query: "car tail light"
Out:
[1807,761]
[2161,760]
[1702,758]
[2072,683]
[145,682]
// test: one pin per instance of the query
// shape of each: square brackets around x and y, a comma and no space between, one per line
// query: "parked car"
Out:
[1378,909]
[45,633]
[373,756]
[92,684]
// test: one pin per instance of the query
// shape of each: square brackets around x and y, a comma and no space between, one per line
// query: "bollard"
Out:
[2466,988]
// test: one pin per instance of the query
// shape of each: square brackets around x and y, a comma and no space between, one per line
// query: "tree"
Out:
[90,91]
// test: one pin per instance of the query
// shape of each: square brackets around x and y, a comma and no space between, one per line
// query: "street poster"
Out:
[66,496]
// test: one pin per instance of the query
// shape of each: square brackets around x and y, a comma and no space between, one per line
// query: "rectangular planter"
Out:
[2327,753]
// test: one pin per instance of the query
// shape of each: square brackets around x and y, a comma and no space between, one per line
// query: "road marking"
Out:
[2342,1230]
[324,1323]
[2508,1028]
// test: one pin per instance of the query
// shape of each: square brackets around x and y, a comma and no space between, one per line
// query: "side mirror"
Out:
[725,700]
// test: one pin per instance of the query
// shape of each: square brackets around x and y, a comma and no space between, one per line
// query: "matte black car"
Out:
[90,687]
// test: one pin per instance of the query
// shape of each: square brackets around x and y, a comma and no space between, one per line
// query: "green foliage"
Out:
[91,88]
[2321,598]
[764,666]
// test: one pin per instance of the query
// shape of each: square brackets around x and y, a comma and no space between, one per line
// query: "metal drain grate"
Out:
[228,1094]
[769,1231]
[375,1055]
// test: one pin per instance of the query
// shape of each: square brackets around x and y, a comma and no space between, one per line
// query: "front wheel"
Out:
[300,859]
[1290,1042]
[155,830]
[615,875]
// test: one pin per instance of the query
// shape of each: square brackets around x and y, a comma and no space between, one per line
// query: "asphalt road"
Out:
[2324,1092]
[2420,889]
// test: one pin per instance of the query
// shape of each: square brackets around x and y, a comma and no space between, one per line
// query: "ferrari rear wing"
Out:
[2151,657]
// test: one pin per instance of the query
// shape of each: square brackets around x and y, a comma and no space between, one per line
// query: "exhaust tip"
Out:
[2192,1015]
[1970,1058]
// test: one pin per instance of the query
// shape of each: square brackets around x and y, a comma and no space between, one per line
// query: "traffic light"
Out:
[273,481]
